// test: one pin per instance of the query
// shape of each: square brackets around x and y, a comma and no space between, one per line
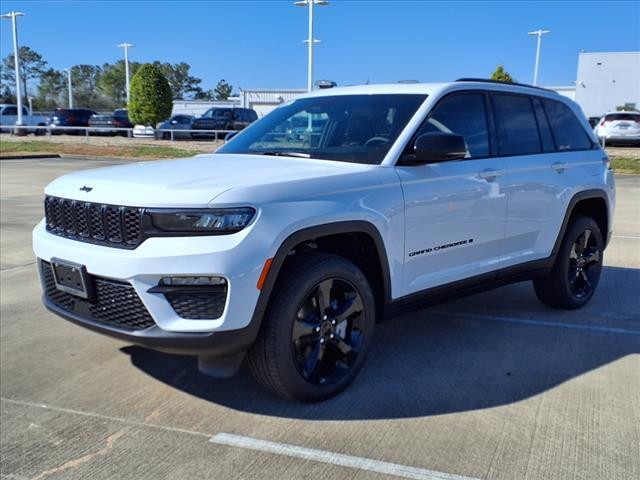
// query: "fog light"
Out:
[192,281]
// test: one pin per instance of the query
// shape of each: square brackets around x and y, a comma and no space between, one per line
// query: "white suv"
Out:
[622,128]
[335,210]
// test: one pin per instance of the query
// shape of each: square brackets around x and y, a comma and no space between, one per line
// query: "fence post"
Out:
[172,134]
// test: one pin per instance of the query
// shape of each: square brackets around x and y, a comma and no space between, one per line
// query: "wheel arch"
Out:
[379,275]
[593,203]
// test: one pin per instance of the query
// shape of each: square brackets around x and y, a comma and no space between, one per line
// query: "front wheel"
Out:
[576,272]
[317,330]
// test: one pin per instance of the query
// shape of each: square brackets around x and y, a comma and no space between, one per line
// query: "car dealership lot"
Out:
[494,386]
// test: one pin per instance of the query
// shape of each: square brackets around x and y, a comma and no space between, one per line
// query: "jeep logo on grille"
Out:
[86,189]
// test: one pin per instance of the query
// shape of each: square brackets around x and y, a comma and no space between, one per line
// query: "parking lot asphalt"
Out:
[494,386]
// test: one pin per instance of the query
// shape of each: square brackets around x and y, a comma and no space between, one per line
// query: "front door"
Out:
[455,211]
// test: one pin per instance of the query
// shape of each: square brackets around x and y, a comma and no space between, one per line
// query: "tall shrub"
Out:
[151,98]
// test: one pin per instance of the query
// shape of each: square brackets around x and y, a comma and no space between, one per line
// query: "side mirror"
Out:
[229,136]
[436,147]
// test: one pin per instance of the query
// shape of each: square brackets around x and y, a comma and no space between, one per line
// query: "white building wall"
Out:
[198,107]
[263,101]
[567,91]
[607,80]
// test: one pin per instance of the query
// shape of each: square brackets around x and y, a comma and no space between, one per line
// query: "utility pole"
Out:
[126,47]
[68,70]
[539,34]
[16,61]
[310,41]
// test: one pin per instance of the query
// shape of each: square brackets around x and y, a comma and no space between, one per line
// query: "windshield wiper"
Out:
[280,153]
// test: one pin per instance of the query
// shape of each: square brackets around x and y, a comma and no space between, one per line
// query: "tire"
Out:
[300,351]
[576,271]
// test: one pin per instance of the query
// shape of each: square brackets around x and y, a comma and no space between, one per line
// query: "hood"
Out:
[192,182]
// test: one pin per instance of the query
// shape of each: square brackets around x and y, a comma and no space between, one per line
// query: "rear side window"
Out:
[463,114]
[516,124]
[10,110]
[567,130]
[548,144]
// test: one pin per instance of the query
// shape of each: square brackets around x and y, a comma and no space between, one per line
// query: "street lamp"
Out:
[16,61]
[539,34]
[311,41]
[126,47]
[68,70]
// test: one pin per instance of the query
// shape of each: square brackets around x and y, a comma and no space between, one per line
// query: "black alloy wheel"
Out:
[328,331]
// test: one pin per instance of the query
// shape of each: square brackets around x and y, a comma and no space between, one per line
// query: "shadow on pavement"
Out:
[424,364]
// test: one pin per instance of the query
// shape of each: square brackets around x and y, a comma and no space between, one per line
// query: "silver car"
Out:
[619,128]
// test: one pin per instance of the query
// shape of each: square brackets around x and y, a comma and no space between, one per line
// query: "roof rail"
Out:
[487,80]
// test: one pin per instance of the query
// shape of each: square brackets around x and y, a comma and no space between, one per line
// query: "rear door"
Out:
[543,145]
[455,211]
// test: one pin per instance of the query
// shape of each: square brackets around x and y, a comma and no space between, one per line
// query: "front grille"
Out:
[110,225]
[114,303]
[199,306]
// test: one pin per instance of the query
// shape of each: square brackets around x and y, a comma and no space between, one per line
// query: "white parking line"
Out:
[366,464]
[540,323]
[627,236]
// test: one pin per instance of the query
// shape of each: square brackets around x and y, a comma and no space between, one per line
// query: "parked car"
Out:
[287,252]
[175,125]
[110,122]
[619,128]
[9,116]
[66,117]
[221,118]
[144,131]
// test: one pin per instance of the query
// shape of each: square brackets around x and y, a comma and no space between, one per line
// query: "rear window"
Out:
[516,125]
[567,129]
[629,117]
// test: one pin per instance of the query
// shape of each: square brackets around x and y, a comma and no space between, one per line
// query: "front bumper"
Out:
[238,258]
[211,344]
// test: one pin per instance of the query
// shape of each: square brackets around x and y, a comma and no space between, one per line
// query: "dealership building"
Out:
[605,81]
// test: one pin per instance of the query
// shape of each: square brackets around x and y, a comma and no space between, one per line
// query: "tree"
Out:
[223,90]
[182,84]
[205,95]
[501,75]
[32,65]
[112,82]
[151,99]
[51,90]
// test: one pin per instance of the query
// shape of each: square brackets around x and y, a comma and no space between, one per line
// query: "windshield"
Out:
[347,128]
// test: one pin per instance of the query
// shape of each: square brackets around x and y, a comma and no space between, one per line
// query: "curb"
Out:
[29,157]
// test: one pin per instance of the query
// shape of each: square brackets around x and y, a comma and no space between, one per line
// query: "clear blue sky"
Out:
[258,44]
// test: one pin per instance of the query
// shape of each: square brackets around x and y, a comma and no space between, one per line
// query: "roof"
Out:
[430,88]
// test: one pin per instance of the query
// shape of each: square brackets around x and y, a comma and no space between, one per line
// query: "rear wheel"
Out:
[576,272]
[317,330]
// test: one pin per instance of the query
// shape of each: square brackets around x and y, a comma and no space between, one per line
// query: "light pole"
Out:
[16,61]
[539,34]
[68,70]
[311,41]
[126,47]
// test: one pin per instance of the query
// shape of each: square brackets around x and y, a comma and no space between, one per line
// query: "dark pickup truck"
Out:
[223,118]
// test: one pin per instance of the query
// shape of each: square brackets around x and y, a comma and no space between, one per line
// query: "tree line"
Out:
[98,87]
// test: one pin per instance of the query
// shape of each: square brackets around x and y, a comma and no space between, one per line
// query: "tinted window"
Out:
[548,144]
[515,125]
[252,116]
[463,114]
[566,128]
[10,110]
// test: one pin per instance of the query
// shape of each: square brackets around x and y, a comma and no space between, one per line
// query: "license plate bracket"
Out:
[72,278]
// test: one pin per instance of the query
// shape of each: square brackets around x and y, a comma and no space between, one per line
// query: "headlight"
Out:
[227,220]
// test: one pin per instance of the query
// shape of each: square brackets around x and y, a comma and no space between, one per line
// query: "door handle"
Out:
[490,174]
[559,167]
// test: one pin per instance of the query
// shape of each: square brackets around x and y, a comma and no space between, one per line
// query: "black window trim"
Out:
[493,135]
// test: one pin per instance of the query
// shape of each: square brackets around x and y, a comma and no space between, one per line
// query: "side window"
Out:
[24,110]
[566,128]
[516,125]
[463,114]
[252,115]
[548,145]
[10,110]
